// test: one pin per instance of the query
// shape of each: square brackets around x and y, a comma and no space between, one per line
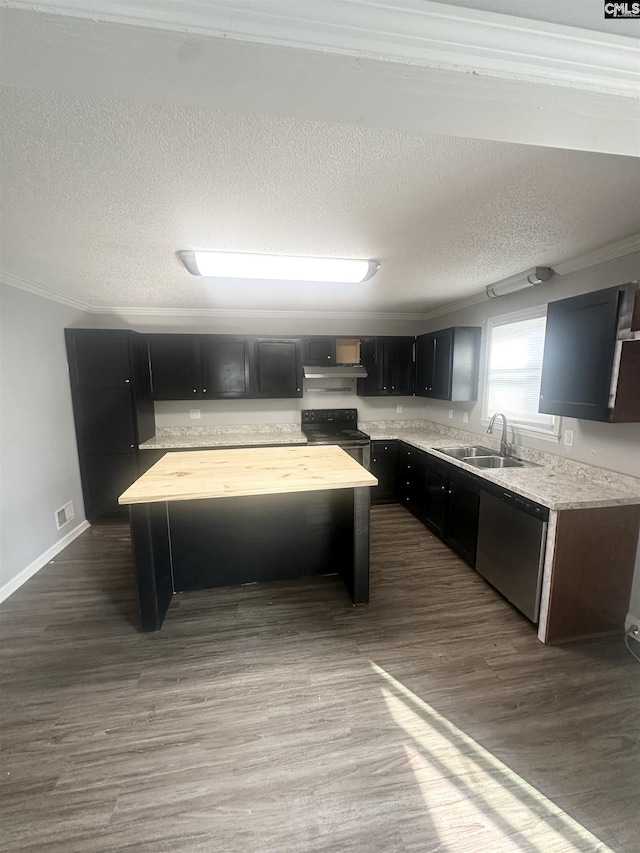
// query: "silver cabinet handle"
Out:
[126,381]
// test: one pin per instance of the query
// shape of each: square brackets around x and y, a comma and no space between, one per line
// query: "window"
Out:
[514,367]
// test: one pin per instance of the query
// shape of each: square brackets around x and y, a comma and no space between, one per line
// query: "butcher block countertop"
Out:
[195,475]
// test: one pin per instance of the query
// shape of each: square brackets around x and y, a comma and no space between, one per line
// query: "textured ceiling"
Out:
[98,193]
[98,196]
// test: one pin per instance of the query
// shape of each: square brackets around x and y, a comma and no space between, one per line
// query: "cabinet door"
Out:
[436,486]
[430,365]
[98,358]
[462,519]
[411,479]
[399,366]
[174,364]
[319,351]
[578,355]
[371,360]
[104,478]
[434,354]
[277,367]
[383,466]
[105,422]
[442,365]
[225,366]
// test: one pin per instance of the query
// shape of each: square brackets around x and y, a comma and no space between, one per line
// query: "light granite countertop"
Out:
[555,482]
[243,435]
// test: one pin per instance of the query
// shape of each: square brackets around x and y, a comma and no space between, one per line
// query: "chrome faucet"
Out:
[505,449]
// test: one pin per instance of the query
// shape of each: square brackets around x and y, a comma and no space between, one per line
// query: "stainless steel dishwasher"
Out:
[512,533]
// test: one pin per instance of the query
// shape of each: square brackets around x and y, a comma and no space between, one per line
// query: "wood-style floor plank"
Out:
[278,718]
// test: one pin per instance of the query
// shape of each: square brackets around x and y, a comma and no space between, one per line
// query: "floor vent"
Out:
[64,514]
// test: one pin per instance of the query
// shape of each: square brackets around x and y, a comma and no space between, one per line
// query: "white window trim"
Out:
[517,429]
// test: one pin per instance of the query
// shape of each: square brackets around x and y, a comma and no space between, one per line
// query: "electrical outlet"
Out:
[64,515]
[465,417]
[450,414]
[194,414]
[567,437]
[399,408]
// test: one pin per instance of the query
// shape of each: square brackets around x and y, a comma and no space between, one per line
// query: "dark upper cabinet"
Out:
[448,364]
[383,466]
[224,366]
[174,362]
[390,366]
[591,364]
[113,412]
[318,351]
[195,367]
[99,358]
[277,367]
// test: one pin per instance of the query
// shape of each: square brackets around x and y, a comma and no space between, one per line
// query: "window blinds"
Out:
[515,368]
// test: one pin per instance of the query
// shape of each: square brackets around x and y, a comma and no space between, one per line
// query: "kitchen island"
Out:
[204,519]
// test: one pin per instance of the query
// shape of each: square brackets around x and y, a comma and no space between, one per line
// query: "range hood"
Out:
[340,371]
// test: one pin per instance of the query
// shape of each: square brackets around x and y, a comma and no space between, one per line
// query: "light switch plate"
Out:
[450,414]
[567,437]
[399,408]
[194,414]
[465,417]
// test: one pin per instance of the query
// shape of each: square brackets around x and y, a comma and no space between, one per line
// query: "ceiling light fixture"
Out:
[278,267]
[529,278]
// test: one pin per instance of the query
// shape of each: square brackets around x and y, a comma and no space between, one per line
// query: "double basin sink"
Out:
[484,457]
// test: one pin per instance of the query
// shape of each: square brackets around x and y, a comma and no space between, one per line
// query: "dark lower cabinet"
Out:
[411,478]
[113,413]
[436,494]
[444,498]
[383,465]
[461,531]
[105,477]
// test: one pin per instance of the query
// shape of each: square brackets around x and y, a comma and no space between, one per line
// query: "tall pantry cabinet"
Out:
[112,410]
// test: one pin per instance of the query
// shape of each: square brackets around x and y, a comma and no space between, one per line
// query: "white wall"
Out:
[38,457]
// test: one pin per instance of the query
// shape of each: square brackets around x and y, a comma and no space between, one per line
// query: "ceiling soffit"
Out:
[415,32]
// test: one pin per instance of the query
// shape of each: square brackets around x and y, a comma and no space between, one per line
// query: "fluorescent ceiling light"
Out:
[278,267]
[529,278]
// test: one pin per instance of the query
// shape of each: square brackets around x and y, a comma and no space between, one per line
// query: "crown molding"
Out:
[410,32]
[599,256]
[589,259]
[21,283]
[229,313]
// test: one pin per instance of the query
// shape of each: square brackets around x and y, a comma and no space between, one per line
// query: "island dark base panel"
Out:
[203,544]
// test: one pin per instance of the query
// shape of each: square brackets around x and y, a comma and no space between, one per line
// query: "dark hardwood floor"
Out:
[280,719]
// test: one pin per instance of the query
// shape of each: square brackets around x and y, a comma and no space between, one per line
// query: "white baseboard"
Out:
[631,620]
[22,577]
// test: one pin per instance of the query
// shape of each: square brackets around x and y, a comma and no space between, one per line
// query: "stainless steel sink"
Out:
[494,462]
[483,457]
[466,452]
